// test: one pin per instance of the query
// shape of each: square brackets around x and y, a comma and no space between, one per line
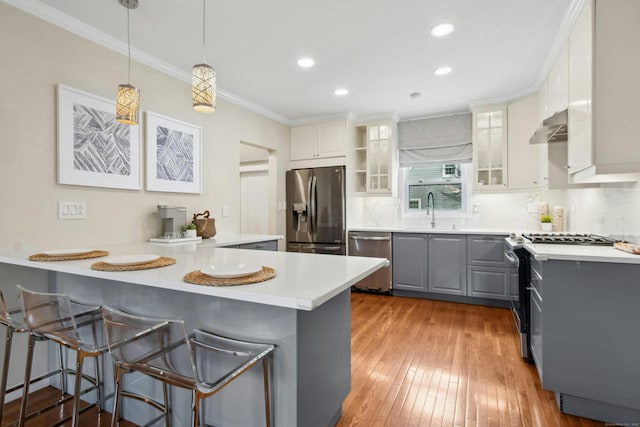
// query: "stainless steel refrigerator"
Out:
[316,210]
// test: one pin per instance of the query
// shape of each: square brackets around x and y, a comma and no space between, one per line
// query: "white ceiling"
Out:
[380,50]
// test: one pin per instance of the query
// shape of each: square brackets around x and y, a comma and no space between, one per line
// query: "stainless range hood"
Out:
[553,129]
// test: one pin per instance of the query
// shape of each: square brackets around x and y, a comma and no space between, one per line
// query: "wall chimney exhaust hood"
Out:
[553,129]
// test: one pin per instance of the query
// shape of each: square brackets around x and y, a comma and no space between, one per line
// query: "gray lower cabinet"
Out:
[489,274]
[410,262]
[269,245]
[447,264]
[458,265]
[584,337]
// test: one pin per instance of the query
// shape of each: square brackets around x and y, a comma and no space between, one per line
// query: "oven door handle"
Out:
[513,259]
[531,288]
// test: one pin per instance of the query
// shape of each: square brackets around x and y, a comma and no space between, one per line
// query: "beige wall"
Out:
[34,57]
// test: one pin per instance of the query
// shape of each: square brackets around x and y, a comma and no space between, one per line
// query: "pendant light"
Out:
[128,99]
[204,78]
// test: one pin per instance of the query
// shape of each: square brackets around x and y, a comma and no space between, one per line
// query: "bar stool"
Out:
[57,318]
[162,349]
[13,320]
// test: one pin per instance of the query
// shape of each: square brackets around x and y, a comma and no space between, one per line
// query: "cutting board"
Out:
[627,247]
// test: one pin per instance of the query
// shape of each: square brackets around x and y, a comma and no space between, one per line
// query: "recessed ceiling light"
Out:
[442,71]
[442,30]
[341,92]
[306,62]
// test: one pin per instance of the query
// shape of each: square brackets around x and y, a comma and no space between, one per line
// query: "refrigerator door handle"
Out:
[313,202]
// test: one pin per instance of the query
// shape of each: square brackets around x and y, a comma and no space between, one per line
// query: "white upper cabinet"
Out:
[558,84]
[579,149]
[490,147]
[603,92]
[318,141]
[527,162]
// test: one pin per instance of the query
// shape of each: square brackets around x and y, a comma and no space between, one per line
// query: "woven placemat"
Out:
[199,278]
[160,262]
[43,257]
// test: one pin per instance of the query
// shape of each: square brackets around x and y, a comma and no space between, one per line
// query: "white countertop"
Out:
[230,238]
[545,252]
[433,230]
[303,281]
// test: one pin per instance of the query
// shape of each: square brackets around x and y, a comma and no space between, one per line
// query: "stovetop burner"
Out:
[568,239]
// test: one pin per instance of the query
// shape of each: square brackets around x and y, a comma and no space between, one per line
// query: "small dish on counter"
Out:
[137,259]
[67,252]
[229,271]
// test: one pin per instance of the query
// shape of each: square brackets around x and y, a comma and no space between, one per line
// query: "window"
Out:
[446,182]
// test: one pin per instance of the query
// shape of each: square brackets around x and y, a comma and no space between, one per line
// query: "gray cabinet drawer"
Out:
[485,249]
[271,245]
[489,282]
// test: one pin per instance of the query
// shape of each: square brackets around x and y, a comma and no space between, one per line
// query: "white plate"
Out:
[228,271]
[67,252]
[132,259]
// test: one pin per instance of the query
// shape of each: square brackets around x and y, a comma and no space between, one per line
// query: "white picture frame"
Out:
[93,148]
[174,155]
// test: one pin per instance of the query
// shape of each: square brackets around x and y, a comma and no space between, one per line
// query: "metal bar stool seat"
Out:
[57,318]
[199,361]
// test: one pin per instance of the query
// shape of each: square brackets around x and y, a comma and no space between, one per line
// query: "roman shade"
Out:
[436,140]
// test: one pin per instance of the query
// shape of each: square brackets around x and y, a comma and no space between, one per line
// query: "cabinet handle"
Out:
[568,167]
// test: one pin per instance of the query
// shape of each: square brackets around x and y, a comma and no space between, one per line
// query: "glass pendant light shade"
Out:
[204,88]
[127,104]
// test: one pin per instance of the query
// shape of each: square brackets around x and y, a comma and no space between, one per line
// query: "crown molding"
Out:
[561,38]
[81,29]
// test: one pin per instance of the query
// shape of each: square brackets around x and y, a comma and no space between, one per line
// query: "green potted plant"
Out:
[189,230]
[545,222]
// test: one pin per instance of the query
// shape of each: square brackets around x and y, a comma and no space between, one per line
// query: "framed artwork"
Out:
[173,155]
[93,148]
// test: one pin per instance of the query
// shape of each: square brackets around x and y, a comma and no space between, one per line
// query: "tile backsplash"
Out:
[609,209]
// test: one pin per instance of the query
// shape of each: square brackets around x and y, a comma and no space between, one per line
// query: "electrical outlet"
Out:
[72,210]
[225,210]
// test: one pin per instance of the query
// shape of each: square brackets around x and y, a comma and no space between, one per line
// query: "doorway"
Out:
[257,189]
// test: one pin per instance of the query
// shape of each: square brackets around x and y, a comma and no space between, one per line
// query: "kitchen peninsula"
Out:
[304,311]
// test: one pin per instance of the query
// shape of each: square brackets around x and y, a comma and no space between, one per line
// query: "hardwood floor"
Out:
[431,363]
[423,363]
[47,395]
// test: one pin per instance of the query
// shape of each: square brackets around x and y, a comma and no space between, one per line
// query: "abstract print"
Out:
[100,143]
[174,155]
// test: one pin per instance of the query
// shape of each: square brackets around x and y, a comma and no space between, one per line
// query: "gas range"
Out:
[569,239]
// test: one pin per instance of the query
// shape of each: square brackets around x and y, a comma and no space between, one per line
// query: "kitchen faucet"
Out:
[433,209]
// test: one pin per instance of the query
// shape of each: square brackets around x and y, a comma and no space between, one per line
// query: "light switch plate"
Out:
[225,210]
[72,210]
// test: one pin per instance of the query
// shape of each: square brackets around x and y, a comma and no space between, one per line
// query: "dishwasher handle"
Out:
[382,239]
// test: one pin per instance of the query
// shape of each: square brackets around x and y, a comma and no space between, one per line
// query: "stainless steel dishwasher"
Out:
[372,244]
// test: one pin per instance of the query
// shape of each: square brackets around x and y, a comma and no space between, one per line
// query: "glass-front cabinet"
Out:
[378,158]
[373,157]
[490,147]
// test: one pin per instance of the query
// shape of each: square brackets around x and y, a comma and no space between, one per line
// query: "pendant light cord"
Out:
[204,46]
[129,48]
